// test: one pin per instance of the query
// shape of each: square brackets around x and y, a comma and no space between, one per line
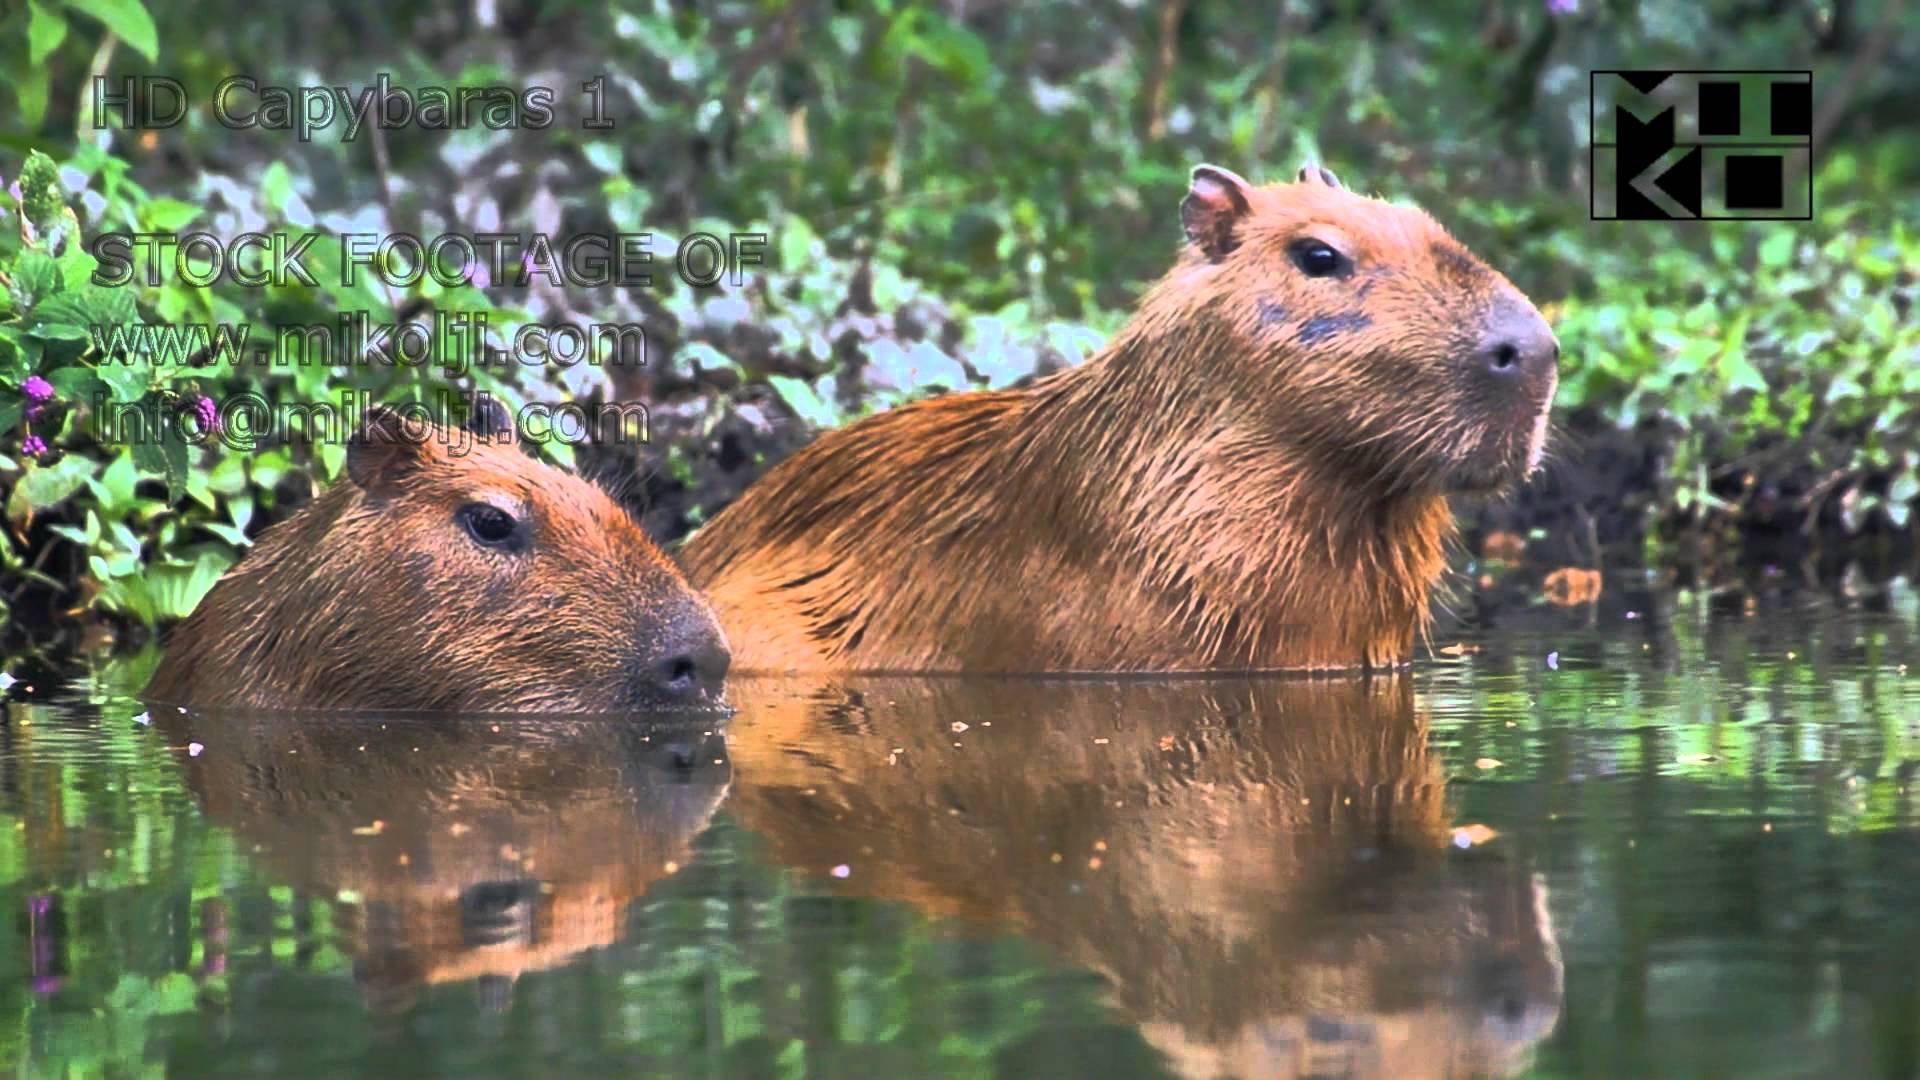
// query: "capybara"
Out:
[1253,474]
[447,577]
[457,852]
[1264,871]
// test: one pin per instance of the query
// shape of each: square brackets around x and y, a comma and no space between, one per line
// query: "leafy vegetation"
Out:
[953,197]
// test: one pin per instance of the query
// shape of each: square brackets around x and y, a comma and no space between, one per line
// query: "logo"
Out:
[1702,145]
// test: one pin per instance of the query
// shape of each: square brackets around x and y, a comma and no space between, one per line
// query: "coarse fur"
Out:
[372,596]
[1252,475]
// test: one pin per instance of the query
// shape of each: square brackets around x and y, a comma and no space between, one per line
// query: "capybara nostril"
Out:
[689,662]
[1519,345]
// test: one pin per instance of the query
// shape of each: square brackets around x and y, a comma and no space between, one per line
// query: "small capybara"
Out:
[473,581]
[1252,475]
[1264,872]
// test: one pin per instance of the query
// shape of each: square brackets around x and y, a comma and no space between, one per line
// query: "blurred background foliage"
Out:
[958,193]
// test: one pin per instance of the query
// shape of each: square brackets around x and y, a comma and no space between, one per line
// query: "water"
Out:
[1671,835]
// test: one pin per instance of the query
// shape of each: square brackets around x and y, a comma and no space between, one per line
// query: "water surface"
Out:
[1673,834]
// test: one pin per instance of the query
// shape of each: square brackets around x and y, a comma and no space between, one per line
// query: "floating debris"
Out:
[843,871]
[1487,763]
[6,682]
[374,829]
[958,726]
[1553,661]
[144,719]
[1571,586]
[194,748]
[1467,836]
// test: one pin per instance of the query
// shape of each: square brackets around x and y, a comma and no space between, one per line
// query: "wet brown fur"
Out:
[1252,475]
[376,599]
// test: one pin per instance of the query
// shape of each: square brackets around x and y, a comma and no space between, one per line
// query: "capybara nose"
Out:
[691,661]
[1519,346]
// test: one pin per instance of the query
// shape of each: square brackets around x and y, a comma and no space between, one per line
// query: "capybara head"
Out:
[450,574]
[1373,339]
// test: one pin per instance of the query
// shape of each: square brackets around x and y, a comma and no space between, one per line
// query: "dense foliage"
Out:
[956,195]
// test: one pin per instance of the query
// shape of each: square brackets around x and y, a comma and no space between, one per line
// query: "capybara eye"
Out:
[1316,258]
[490,525]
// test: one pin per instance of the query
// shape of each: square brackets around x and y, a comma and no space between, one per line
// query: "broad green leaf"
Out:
[167,215]
[1776,251]
[129,22]
[45,31]
[35,276]
[46,486]
[801,397]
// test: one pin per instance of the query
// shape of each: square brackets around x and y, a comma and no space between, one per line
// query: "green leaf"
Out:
[75,383]
[276,186]
[801,397]
[604,155]
[31,89]
[128,20]
[52,331]
[176,452]
[81,307]
[35,276]
[45,31]
[1776,251]
[114,487]
[77,264]
[46,486]
[167,215]
[125,382]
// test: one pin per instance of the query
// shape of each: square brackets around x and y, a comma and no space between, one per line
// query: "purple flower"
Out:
[1562,7]
[207,413]
[34,447]
[37,390]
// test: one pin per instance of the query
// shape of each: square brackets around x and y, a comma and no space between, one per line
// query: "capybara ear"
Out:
[1311,173]
[1216,201]
[490,420]
[385,449]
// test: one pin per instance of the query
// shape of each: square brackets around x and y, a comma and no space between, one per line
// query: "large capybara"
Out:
[1264,871]
[455,576]
[458,852]
[1253,474]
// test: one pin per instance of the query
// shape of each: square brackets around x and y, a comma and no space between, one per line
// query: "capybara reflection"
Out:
[434,579]
[1263,870]
[458,852]
[1253,474]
